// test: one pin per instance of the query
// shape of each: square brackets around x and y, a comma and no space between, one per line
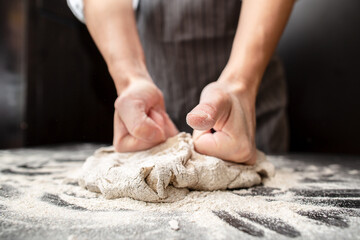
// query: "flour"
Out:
[174,225]
[54,205]
[167,172]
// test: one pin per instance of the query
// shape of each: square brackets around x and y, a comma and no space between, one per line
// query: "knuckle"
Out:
[137,129]
[159,93]
[119,102]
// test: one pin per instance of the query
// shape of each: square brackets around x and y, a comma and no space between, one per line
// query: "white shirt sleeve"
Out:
[77,8]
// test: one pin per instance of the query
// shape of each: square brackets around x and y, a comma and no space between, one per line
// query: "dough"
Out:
[167,172]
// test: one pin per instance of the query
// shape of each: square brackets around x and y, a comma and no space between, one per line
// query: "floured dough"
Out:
[167,172]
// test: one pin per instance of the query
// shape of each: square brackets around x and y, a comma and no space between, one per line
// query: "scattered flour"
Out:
[174,225]
[24,200]
[353,172]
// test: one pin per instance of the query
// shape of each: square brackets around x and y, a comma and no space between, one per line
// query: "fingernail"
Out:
[199,113]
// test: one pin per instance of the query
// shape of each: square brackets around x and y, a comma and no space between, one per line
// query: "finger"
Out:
[170,128]
[138,123]
[131,144]
[119,130]
[213,144]
[214,106]
[124,142]
[196,134]
[224,146]
[164,122]
[157,117]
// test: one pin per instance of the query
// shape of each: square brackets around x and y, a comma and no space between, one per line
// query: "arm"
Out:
[259,29]
[112,25]
[140,120]
[228,105]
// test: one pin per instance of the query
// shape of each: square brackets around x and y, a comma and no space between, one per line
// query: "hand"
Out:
[140,119]
[229,111]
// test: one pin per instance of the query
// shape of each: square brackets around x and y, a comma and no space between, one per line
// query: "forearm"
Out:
[259,29]
[112,25]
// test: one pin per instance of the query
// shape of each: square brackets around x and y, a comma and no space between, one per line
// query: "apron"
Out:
[187,44]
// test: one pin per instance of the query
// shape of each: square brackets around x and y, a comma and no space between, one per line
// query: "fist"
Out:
[140,119]
[224,124]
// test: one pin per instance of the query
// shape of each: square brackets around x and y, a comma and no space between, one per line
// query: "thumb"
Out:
[214,106]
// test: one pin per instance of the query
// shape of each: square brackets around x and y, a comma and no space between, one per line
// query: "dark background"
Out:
[54,85]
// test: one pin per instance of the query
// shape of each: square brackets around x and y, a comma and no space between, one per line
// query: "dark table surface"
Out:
[38,202]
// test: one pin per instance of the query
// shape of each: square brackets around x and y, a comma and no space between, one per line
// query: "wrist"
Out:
[126,72]
[240,85]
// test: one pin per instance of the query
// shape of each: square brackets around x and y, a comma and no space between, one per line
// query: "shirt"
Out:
[77,8]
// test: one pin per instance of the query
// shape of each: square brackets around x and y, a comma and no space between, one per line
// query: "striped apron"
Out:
[187,44]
